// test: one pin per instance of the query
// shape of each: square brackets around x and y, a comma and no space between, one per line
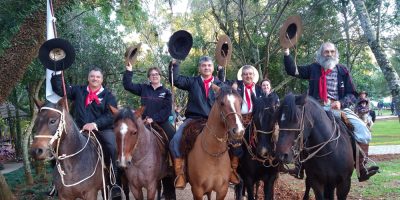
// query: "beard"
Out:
[328,62]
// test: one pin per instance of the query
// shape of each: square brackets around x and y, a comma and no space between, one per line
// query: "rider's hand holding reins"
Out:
[90,127]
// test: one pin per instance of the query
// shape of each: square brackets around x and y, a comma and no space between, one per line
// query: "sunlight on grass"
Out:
[386,132]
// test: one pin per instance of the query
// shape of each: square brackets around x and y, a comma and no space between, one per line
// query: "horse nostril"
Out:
[129,162]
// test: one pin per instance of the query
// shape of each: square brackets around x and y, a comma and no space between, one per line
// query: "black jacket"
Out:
[198,106]
[312,73]
[158,101]
[97,113]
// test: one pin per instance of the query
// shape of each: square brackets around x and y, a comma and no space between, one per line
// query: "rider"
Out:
[201,99]
[91,112]
[329,81]
[158,106]
[246,87]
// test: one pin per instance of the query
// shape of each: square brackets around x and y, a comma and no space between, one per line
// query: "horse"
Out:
[208,163]
[257,162]
[140,153]
[320,142]
[78,156]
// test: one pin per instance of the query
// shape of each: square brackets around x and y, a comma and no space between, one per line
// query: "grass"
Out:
[386,132]
[384,185]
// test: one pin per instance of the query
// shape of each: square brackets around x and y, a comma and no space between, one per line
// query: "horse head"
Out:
[290,117]
[48,127]
[263,118]
[229,103]
[126,128]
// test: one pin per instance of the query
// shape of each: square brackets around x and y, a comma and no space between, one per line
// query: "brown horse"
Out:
[79,166]
[208,162]
[141,155]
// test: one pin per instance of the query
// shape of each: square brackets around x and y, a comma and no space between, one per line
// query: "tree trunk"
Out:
[34,92]
[387,69]
[5,192]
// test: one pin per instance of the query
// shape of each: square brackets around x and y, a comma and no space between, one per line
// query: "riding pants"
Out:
[109,145]
[175,143]
[168,129]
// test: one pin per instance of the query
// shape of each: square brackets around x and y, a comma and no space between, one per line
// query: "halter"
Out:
[300,143]
[57,136]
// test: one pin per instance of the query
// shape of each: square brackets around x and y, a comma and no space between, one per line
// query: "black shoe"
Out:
[115,193]
[365,176]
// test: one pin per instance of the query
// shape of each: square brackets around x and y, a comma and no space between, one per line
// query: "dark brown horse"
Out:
[140,153]
[320,142]
[208,162]
[79,167]
[257,162]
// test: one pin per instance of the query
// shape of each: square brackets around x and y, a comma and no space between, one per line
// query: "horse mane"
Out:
[288,107]
[225,90]
[127,113]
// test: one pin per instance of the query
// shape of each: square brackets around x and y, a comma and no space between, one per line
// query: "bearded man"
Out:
[330,83]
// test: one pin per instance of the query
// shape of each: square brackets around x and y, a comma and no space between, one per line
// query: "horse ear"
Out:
[38,103]
[62,102]
[139,112]
[301,100]
[113,110]
[216,88]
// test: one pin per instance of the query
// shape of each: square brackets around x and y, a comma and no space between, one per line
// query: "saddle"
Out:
[190,133]
[162,138]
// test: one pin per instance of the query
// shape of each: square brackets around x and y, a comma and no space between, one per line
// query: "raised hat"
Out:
[56,54]
[291,31]
[131,54]
[179,44]
[223,51]
[255,77]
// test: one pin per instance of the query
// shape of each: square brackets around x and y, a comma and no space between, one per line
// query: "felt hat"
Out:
[179,44]
[223,51]
[291,31]
[131,54]
[56,54]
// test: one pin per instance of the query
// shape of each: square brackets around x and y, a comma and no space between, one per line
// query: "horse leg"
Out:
[306,195]
[269,185]
[158,190]
[152,190]
[329,192]
[221,194]
[318,190]
[208,195]
[168,188]
[249,185]
[137,192]
[239,190]
[343,189]
[198,193]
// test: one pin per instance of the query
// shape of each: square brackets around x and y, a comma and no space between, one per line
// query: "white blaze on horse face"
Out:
[123,130]
[231,98]
[283,117]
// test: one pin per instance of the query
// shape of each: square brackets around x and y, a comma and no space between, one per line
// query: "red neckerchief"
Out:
[92,96]
[323,91]
[206,82]
[248,92]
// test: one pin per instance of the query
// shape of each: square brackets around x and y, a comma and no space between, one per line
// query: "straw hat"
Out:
[291,31]
[223,51]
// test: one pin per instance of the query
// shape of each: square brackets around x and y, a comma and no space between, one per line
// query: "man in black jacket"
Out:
[91,111]
[328,82]
[201,98]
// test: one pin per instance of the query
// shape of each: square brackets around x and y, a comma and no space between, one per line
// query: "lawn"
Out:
[386,132]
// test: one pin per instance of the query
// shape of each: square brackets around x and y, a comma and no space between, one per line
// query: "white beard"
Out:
[328,62]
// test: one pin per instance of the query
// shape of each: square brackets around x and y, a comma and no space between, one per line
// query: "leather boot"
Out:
[365,173]
[234,178]
[180,180]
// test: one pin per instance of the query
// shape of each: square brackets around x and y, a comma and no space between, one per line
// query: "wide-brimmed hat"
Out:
[131,54]
[255,77]
[223,51]
[291,31]
[179,44]
[56,54]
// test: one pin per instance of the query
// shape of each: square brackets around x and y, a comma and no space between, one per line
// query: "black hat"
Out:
[56,54]
[223,51]
[179,44]
[290,32]
[131,54]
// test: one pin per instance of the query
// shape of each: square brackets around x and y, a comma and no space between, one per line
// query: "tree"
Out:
[388,71]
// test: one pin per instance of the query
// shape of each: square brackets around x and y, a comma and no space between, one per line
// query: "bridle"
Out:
[57,136]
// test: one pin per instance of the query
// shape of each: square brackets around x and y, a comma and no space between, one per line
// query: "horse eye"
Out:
[222,103]
[53,121]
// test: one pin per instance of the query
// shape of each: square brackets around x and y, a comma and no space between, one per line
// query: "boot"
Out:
[297,172]
[180,180]
[234,178]
[365,173]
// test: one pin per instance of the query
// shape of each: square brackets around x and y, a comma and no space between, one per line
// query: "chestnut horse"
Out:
[320,142]
[79,165]
[209,165]
[141,155]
